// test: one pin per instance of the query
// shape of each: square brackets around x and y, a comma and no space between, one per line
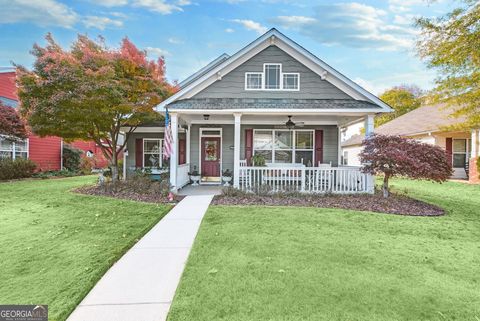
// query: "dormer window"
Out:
[272,78]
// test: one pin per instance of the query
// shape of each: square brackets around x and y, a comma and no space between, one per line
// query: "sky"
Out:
[371,42]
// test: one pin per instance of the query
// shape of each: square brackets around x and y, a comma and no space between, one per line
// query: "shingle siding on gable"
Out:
[312,86]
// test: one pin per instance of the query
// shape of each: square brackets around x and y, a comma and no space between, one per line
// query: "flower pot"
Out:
[226,180]
[195,179]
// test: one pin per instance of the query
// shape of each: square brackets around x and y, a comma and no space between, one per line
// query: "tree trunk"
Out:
[114,168]
[385,190]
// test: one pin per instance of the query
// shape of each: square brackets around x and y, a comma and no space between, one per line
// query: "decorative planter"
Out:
[226,180]
[195,179]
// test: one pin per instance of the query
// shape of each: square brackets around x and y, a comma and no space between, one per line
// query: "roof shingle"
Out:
[270,103]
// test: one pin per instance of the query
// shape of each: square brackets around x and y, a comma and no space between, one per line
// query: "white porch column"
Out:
[125,154]
[369,125]
[174,155]
[339,152]
[369,128]
[475,141]
[236,151]
[187,142]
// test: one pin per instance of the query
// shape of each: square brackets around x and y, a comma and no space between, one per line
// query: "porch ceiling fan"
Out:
[291,125]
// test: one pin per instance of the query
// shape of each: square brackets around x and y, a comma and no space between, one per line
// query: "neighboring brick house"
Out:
[46,152]
[427,124]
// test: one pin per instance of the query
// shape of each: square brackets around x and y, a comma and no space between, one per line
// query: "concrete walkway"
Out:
[141,285]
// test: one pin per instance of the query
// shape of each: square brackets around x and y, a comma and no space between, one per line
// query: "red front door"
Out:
[210,156]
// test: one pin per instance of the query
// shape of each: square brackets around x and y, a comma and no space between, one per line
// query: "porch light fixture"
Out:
[206,117]
[290,124]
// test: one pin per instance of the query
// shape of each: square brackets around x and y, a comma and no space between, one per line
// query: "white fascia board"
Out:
[202,70]
[293,49]
[271,111]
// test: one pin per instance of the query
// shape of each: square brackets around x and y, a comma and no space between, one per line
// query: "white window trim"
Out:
[160,152]
[254,73]
[298,81]
[200,136]
[466,153]
[294,149]
[13,150]
[264,78]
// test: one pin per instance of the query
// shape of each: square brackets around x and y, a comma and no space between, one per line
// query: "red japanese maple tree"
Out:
[11,124]
[398,156]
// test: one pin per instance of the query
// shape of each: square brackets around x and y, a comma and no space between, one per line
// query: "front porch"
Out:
[305,158]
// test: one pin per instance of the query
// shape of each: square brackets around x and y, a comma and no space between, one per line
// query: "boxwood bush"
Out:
[71,158]
[18,168]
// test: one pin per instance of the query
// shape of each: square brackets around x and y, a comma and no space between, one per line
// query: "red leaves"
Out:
[10,122]
[394,155]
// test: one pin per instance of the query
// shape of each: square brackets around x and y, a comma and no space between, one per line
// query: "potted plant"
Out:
[258,160]
[226,177]
[195,176]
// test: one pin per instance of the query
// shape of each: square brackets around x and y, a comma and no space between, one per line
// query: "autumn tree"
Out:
[11,125]
[402,99]
[451,45]
[91,91]
[397,156]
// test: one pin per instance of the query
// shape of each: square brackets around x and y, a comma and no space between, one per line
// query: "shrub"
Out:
[398,156]
[50,174]
[87,164]
[71,158]
[18,168]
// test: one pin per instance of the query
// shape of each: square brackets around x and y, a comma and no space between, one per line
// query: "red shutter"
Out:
[318,147]
[139,152]
[449,149]
[182,148]
[248,145]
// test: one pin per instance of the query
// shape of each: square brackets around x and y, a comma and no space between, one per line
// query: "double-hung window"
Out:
[272,78]
[13,148]
[284,146]
[152,153]
[460,152]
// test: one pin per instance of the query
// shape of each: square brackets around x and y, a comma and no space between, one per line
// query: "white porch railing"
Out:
[341,180]
[182,175]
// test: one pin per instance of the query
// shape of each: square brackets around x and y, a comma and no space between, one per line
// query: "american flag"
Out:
[167,143]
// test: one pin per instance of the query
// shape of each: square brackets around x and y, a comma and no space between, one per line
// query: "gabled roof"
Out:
[204,70]
[423,120]
[273,37]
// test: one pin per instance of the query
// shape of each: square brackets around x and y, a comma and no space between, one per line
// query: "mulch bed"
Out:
[395,204]
[129,195]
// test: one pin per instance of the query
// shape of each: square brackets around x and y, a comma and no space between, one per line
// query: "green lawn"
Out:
[257,263]
[55,245]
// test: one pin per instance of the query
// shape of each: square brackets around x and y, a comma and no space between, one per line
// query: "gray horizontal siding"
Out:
[131,146]
[312,86]
[330,143]
[227,141]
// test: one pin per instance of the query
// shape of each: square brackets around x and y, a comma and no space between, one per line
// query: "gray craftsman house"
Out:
[271,114]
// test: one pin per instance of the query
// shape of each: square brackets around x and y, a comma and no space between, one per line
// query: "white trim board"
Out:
[200,136]
[274,37]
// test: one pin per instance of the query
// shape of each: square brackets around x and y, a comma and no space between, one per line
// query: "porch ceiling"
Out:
[269,119]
